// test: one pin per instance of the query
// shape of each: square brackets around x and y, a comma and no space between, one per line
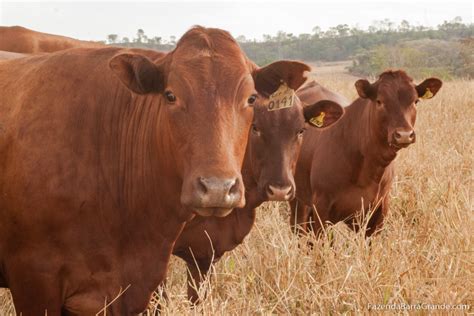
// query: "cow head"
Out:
[275,141]
[393,100]
[207,88]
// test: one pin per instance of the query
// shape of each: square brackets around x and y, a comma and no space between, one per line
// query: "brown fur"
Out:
[270,159]
[94,163]
[353,161]
[22,40]
[9,55]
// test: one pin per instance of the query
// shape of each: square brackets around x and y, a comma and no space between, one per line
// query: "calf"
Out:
[353,161]
[270,160]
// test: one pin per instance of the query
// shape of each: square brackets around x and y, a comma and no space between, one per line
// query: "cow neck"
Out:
[365,143]
[248,175]
[141,175]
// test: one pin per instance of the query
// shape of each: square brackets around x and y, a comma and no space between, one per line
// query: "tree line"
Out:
[447,50]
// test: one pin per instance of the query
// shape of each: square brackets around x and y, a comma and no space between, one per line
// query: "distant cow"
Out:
[270,161]
[353,161]
[104,154]
[22,40]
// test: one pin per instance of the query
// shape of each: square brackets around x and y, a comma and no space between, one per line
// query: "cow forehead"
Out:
[206,83]
[285,118]
[210,68]
[403,93]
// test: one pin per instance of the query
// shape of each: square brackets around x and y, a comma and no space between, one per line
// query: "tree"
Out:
[241,39]
[140,36]
[156,40]
[404,26]
[317,32]
[173,40]
[112,38]
[342,30]
[267,38]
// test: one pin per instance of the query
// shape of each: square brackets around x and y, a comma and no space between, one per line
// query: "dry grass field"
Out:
[424,255]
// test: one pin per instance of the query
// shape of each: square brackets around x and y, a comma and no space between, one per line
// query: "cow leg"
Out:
[299,218]
[196,275]
[3,282]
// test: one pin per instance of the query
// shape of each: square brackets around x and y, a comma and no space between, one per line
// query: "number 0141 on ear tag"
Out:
[282,98]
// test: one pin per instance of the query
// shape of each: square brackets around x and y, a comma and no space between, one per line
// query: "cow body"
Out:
[22,40]
[71,191]
[350,167]
[267,172]
[102,162]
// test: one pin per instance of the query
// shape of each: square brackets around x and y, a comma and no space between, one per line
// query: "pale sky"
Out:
[89,20]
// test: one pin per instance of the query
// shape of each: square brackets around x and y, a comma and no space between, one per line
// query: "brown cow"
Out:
[269,165]
[22,40]
[353,161]
[103,157]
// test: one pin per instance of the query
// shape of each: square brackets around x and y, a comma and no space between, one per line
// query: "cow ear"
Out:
[269,78]
[428,88]
[138,73]
[365,89]
[323,113]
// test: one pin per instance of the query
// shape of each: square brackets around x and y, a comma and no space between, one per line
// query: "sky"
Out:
[89,20]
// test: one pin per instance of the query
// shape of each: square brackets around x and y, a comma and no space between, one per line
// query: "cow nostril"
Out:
[202,185]
[234,187]
[269,190]
[397,135]
[412,135]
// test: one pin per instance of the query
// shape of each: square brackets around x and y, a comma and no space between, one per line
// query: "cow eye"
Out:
[417,101]
[301,132]
[251,100]
[170,96]
[255,130]
[379,103]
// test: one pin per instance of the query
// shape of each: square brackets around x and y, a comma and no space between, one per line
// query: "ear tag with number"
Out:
[318,121]
[282,98]
[428,94]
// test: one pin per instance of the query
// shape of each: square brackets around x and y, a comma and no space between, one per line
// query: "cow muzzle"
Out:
[215,196]
[280,193]
[401,139]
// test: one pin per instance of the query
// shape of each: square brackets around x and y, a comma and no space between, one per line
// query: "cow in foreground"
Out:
[22,40]
[354,161]
[105,154]
[270,159]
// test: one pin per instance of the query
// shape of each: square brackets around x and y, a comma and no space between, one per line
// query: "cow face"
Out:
[207,88]
[275,140]
[393,99]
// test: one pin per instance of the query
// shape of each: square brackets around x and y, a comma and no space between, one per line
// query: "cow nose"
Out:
[277,193]
[218,193]
[404,137]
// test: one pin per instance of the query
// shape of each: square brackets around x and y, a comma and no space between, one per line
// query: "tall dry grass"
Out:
[424,255]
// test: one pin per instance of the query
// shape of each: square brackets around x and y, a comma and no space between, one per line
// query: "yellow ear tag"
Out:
[282,98]
[318,121]
[428,94]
